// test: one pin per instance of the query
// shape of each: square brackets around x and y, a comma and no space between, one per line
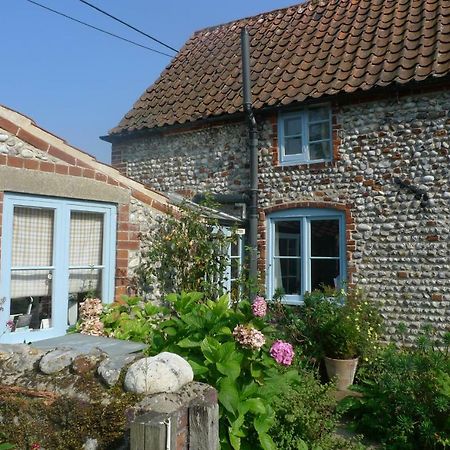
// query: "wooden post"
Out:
[148,432]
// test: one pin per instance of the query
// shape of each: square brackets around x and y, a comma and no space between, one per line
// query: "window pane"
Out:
[86,238]
[31,299]
[287,275]
[235,268]
[324,272]
[319,131]
[235,248]
[325,238]
[292,127]
[293,146]
[32,243]
[320,150]
[319,113]
[287,238]
[86,282]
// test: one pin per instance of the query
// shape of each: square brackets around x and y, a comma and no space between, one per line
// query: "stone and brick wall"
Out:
[388,153]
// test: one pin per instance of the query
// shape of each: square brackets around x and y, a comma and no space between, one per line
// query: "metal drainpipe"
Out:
[253,148]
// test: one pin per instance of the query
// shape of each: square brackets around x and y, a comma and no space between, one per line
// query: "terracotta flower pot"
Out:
[343,370]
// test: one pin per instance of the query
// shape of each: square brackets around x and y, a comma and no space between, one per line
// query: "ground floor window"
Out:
[306,251]
[55,252]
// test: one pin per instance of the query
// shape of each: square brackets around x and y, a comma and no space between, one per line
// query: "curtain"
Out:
[32,245]
[86,248]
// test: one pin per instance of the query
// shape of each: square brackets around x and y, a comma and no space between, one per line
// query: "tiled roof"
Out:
[304,51]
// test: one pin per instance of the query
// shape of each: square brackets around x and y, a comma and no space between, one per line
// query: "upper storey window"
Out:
[305,135]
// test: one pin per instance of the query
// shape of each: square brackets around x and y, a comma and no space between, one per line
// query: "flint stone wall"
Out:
[205,160]
[11,145]
[398,248]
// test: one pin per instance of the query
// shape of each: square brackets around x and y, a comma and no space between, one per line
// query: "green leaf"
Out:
[188,343]
[172,298]
[266,442]
[235,441]
[229,395]
[302,445]
[209,347]
[263,422]
[198,369]
[231,369]
[255,405]
[249,390]
[226,351]
[7,446]
[170,331]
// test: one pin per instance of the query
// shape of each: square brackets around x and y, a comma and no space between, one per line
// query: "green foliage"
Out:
[6,446]
[131,319]
[332,323]
[406,396]
[248,380]
[304,412]
[187,254]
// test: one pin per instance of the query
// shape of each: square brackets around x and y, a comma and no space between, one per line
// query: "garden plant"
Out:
[406,395]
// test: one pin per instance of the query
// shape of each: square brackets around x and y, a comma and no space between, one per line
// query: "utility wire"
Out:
[129,26]
[99,29]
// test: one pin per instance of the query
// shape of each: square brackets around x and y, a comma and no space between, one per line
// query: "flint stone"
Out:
[166,372]
[26,153]
[83,364]
[57,360]
[110,368]
[18,358]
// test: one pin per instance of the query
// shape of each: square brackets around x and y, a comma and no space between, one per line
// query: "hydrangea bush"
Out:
[230,348]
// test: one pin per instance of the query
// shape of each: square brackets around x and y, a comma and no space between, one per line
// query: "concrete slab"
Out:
[85,343]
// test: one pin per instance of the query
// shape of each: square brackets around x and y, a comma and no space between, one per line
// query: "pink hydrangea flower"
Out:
[259,307]
[90,311]
[282,352]
[249,337]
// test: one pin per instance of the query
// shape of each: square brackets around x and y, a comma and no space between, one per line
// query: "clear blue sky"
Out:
[77,82]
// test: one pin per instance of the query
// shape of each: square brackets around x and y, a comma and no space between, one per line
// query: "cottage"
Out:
[70,227]
[352,105]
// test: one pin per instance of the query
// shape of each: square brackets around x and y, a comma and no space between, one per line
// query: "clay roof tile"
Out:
[318,48]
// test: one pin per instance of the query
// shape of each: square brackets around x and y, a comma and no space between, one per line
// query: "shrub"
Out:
[131,319]
[339,324]
[406,396]
[305,411]
[187,254]
[229,349]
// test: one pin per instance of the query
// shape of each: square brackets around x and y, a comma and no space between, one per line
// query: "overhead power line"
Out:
[128,25]
[98,29]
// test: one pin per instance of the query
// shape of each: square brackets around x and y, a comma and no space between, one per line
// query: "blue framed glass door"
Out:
[55,252]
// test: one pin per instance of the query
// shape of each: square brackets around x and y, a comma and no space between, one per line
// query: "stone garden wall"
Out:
[390,173]
[65,399]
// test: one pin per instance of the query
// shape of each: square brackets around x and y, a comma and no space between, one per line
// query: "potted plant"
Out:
[340,326]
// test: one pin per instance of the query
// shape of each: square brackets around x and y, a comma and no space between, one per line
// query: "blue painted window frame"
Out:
[303,157]
[305,216]
[61,240]
[239,257]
